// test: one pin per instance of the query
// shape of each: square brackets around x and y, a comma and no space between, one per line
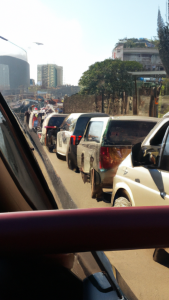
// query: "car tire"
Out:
[122,202]
[50,149]
[77,170]
[69,162]
[96,190]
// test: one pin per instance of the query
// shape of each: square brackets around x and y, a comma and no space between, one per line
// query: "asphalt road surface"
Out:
[147,279]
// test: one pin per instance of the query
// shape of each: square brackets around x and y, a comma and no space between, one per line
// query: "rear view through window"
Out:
[81,125]
[127,132]
[56,121]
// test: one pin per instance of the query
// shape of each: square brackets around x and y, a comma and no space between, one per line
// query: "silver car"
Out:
[105,144]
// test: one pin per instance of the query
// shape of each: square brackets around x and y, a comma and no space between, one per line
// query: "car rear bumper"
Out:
[106,177]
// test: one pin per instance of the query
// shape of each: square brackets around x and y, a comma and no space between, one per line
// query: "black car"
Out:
[52,128]
[78,132]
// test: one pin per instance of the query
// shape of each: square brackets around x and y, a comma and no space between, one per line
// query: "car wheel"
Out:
[77,170]
[50,148]
[122,202]
[96,190]
[69,162]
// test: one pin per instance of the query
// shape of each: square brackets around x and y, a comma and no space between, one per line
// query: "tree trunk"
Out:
[127,104]
[123,103]
[151,106]
[108,104]
[135,100]
[102,102]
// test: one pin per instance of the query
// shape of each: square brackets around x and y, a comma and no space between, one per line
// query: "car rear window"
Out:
[56,121]
[81,125]
[127,132]
[69,123]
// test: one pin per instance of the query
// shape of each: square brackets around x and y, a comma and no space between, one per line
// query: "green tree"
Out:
[109,77]
[163,34]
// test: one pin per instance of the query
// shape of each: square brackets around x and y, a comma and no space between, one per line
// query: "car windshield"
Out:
[78,60]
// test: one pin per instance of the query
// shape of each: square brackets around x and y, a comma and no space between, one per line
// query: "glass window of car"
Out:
[127,132]
[81,125]
[94,131]
[65,124]
[18,167]
[158,137]
[56,121]
[165,156]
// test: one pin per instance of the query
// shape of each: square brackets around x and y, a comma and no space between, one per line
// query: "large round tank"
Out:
[14,72]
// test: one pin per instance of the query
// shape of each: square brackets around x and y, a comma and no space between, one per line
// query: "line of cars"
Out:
[39,253]
[123,153]
[101,148]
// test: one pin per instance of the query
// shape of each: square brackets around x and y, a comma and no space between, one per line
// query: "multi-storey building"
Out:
[142,51]
[49,75]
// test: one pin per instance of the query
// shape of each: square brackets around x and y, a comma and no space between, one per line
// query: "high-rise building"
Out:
[49,75]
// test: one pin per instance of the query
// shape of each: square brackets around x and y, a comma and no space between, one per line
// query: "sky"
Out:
[75,33]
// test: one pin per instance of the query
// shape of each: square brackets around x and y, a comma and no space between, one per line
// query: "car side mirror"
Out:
[145,156]
[151,155]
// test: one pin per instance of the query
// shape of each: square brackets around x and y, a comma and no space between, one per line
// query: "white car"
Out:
[142,178]
[63,136]
[45,123]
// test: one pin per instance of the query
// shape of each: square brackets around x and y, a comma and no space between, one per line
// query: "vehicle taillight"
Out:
[106,161]
[74,140]
[111,157]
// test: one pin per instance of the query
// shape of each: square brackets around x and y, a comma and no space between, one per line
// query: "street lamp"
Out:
[1,37]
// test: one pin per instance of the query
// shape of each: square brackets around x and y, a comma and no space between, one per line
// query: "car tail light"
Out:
[106,161]
[111,157]
[79,138]
[74,140]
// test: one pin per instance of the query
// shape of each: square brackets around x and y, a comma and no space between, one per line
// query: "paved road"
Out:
[147,279]
[79,191]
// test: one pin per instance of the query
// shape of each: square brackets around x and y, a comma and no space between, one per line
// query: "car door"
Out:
[145,184]
[61,136]
[88,149]
[144,180]
[164,169]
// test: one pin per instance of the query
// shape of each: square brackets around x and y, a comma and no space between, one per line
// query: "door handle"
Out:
[125,170]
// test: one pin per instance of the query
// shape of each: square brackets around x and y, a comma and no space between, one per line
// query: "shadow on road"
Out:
[106,197]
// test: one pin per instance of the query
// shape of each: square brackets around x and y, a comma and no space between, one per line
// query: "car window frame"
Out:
[162,150]
[88,128]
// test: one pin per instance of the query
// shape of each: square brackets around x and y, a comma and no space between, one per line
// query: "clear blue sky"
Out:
[103,22]
[76,33]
